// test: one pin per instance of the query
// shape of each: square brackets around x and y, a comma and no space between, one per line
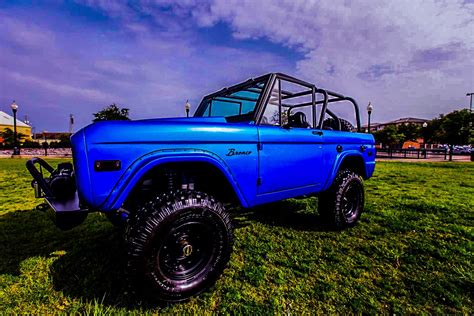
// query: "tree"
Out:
[8,137]
[456,128]
[394,135]
[410,131]
[64,141]
[112,113]
[30,144]
[389,136]
[431,132]
[275,119]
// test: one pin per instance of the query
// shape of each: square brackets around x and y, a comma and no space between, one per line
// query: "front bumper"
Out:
[64,205]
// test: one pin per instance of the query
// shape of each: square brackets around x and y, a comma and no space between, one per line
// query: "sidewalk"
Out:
[434,159]
[31,156]
[38,152]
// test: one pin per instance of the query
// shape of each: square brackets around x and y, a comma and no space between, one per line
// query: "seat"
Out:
[298,120]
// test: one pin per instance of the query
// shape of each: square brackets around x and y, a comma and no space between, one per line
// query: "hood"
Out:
[188,120]
[159,130]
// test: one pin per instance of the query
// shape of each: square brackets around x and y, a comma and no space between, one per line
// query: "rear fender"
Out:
[337,165]
[147,162]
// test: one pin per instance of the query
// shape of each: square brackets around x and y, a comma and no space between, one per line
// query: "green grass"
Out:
[412,252]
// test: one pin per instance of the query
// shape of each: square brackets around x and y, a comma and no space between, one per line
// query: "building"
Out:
[51,136]
[6,121]
[402,121]
[412,144]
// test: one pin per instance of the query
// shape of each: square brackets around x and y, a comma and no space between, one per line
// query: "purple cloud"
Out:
[374,72]
[153,56]
[434,57]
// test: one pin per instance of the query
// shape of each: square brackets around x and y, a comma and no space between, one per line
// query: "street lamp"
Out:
[470,103]
[45,144]
[16,148]
[425,125]
[470,123]
[187,107]
[370,108]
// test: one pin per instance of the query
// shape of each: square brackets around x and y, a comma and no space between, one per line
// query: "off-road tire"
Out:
[179,243]
[343,203]
[346,126]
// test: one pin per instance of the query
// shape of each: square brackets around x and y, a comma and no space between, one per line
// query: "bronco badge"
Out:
[233,152]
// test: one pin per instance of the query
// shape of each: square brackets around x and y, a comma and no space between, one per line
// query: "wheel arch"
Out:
[143,166]
[354,163]
[351,160]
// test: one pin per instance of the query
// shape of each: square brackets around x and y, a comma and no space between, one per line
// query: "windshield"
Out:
[236,104]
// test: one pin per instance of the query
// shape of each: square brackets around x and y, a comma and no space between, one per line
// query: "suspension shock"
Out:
[171,179]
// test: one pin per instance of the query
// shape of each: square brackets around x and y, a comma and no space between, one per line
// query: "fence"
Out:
[440,154]
[56,152]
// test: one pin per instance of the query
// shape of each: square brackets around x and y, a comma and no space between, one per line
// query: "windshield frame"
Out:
[232,89]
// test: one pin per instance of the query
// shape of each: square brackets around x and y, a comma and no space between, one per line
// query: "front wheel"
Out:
[179,244]
[343,203]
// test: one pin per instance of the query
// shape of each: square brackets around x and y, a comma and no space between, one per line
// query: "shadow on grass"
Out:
[292,213]
[90,263]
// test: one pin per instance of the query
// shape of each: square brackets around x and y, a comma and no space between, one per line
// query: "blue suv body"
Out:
[266,139]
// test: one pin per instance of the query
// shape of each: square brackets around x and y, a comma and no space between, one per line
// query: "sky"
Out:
[409,58]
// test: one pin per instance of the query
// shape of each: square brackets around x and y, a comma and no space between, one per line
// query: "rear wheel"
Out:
[179,244]
[343,203]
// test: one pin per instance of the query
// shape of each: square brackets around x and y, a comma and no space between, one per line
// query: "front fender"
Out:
[142,165]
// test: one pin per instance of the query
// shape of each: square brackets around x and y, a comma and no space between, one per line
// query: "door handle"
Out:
[319,133]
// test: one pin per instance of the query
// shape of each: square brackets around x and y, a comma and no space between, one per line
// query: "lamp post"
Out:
[470,123]
[425,125]
[16,149]
[45,144]
[370,108]
[470,103]
[187,107]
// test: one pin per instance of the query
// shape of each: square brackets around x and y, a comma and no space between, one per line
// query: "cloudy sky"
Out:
[410,58]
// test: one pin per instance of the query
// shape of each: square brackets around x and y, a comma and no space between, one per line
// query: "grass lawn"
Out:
[412,252]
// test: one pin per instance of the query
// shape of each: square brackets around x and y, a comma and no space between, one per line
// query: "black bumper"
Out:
[65,210]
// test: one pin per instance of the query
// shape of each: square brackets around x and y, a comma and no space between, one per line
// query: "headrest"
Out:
[298,120]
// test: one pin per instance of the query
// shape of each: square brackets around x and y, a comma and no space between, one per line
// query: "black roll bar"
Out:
[356,106]
[326,93]
[269,80]
[325,106]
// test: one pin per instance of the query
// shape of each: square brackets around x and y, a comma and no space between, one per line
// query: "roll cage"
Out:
[264,89]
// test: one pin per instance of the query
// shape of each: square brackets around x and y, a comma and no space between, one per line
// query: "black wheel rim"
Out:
[186,251]
[351,201]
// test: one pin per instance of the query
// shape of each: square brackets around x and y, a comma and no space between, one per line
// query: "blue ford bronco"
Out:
[170,181]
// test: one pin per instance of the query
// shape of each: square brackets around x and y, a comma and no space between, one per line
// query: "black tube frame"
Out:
[269,81]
